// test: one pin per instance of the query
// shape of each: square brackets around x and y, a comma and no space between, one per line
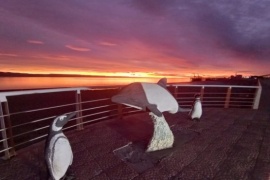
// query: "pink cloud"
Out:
[77,48]
[11,55]
[35,42]
[107,44]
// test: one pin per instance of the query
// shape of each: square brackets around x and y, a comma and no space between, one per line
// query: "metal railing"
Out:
[25,116]
[226,96]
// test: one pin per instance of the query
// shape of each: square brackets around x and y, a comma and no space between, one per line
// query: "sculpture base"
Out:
[163,137]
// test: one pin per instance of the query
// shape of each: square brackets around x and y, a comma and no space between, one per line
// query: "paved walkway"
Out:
[226,144]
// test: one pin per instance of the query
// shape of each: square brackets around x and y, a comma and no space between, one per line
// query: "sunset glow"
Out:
[174,39]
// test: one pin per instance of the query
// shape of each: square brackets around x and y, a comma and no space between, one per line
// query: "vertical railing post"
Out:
[120,111]
[79,120]
[257,97]
[4,133]
[9,130]
[175,93]
[202,93]
[228,97]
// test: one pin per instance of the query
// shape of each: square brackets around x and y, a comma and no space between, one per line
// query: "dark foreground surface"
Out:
[225,144]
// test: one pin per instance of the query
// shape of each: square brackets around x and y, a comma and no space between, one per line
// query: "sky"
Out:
[167,38]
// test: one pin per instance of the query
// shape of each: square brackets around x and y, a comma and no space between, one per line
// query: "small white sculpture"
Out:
[196,110]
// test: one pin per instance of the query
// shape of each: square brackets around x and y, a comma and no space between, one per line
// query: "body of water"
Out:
[11,83]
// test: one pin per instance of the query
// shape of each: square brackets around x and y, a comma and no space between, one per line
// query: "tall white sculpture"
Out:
[157,99]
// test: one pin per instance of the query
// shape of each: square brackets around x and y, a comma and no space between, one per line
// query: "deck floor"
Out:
[225,144]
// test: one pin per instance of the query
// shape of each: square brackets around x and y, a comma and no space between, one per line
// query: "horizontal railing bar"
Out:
[242,98]
[38,120]
[215,86]
[192,93]
[214,93]
[212,102]
[3,129]
[188,92]
[3,150]
[53,107]
[184,98]
[49,126]
[132,111]
[242,93]
[204,98]
[86,122]
[229,105]
[2,116]
[32,122]
[97,119]
[98,107]
[42,109]
[231,100]
[203,93]
[92,120]
[4,139]
[218,104]
[128,107]
[241,102]
[96,100]
[39,137]
[92,114]
[240,105]
[38,129]
[226,93]
[104,88]
[43,119]
[185,101]
[35,130]
[86,116]
[184,105]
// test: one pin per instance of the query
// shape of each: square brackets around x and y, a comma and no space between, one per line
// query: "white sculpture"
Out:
[157,99]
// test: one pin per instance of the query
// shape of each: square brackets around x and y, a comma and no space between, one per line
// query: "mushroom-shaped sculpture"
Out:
[157,99]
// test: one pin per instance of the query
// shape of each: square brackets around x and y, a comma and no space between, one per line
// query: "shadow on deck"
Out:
[231,144]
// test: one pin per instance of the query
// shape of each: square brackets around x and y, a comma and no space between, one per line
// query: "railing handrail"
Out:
[212,85]
[3,95]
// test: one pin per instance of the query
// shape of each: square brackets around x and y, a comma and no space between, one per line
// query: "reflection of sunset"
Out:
[154,74]
[56,82]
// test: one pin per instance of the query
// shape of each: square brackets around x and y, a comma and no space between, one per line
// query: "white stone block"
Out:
[163,137]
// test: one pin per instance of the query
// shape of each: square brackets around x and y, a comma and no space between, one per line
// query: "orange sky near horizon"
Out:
[124,71]
[172,72]
[155,64]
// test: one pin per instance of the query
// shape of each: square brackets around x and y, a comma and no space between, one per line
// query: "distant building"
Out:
[198,78]
[237,76]
[266,76]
